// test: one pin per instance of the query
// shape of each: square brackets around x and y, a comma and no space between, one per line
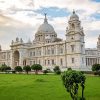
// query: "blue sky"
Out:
[96,0]
[21,18]
[53,11]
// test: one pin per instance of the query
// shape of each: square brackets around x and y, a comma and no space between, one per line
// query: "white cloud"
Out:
[87,5]
[10,29]
[18,16]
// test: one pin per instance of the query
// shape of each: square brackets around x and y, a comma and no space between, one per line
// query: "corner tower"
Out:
[75,43]
[98,43]
[98,49]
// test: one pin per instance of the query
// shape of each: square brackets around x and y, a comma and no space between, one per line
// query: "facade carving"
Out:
[49,50]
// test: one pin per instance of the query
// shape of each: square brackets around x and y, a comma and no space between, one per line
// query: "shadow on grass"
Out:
[40,80]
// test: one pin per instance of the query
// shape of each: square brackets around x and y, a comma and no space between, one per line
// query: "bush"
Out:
[71,80]
[96,69]
[57,70]
[45,71]
[8,68]
[36,67]
[97,73]
[49,71]
[13,71]
[69,69]
[4,68]
[27,68]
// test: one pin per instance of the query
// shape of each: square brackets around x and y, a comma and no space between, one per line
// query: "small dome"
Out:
[45,27]
[74,16]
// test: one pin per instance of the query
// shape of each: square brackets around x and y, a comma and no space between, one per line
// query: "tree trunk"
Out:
[36,72]
[82,92]
[27,72]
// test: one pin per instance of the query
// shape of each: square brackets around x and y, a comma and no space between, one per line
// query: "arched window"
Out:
[81,48]
[73,26]
[53,62]
[52,51]
[72,48]
[72,60]
[61,50]
[61,61]
[24,62]
[48,51]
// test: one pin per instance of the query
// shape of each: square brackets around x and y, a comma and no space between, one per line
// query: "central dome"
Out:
[45,27]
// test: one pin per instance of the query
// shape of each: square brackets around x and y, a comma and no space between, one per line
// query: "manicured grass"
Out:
[42,87]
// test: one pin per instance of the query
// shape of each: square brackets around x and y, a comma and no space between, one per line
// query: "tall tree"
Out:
[71,80]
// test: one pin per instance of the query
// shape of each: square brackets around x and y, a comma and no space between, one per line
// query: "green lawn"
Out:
[42,87]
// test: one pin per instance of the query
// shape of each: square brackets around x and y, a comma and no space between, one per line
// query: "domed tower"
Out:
[75,43]
[98,43]
[98,49]
[45,33]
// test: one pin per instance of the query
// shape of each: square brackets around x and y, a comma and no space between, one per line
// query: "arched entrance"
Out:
[16,58]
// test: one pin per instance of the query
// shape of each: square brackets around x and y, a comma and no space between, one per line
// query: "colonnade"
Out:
[91,61]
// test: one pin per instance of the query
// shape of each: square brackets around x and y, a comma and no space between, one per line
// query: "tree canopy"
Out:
[4,68]
[57,70]
[36,67]
[18,69]
[71,80]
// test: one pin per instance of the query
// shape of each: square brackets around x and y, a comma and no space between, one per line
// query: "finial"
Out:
[12,42]
[29,41]
[21,40]
[45,19]
[45,15]
[17,39]
[0,48]
[99,37]
[73,11]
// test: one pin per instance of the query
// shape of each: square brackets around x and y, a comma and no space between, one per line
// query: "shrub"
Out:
[8,68]
[97,73]
[13,71]
[96,69]
[49,70]
[69,69]
[4,68]
[36,67]
[71,80]
[27,68]
[57,70]
[45,71]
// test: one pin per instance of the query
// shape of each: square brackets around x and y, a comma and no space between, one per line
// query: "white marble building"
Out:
[48,50]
